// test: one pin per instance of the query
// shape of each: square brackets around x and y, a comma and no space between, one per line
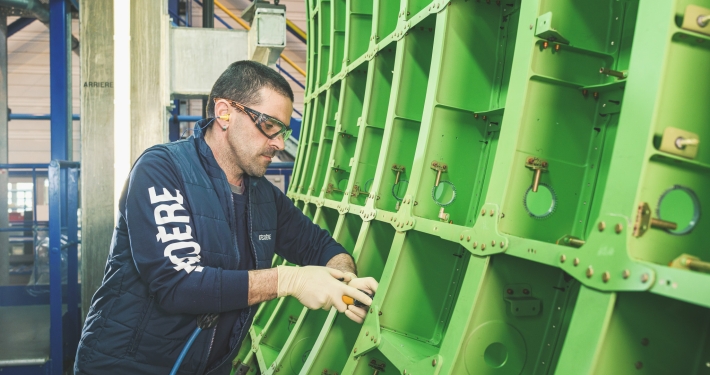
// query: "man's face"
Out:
[252,149]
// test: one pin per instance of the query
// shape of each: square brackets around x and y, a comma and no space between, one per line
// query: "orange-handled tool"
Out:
[351,301]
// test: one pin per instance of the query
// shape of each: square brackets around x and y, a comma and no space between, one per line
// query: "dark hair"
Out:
[241,82]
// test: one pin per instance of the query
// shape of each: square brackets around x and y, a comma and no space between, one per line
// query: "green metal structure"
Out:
[527,179]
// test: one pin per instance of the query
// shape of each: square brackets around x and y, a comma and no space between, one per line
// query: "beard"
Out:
[253,163]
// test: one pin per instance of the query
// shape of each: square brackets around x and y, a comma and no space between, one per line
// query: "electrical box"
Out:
[527,179]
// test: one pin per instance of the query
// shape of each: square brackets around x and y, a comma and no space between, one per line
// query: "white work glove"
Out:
[317,287]
[369,285]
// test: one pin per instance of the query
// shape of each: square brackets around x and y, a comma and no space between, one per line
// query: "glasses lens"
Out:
[273,127]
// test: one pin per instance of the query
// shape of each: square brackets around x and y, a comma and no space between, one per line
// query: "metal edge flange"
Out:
[439,6]
[603,262]
[484,238]
[402,223]
[367,214]
[343,208]
[370,336]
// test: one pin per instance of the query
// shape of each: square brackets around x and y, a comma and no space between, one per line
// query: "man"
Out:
[198,228]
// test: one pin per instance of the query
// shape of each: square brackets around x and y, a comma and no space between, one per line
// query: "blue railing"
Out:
[63,227]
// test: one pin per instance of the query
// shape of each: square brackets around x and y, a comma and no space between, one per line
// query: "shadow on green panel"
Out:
[305,185]
[349,232]
[423,288]
[323,162]
[275,334]
[324,59]
[374,245]
[327,218]
[519,320]
[417,49]
[387,18]
[647,335]
[309,210]
[360,28]
[338,42]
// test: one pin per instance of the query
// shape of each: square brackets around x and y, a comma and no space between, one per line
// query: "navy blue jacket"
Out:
[174,256]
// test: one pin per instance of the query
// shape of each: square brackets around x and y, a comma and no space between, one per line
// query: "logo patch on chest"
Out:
[265,237]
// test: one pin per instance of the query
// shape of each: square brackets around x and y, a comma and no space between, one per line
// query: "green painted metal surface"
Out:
[426,126]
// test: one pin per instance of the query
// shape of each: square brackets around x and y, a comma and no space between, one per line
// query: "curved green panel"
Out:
[599,270]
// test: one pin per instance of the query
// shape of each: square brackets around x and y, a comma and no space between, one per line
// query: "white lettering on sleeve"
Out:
[186,263]
[170,217]
[165,197]
[164,237]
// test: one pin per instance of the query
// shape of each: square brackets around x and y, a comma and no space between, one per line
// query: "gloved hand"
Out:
[317,287]
[369,285]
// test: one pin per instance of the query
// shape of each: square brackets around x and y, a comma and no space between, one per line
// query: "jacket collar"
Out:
[207,157]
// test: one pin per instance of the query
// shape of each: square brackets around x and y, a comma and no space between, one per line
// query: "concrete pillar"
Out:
[149,75]
[4,236]
[97,182]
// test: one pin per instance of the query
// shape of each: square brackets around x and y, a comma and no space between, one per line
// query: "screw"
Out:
[502,244]
[483,246]
[461,238]
[639,365]
[557,47]
[468,238]
[509,291]
[475,115]
[545,44]
[596,95]
[491,212]
[433,362]
[367,333]
[590,272]
[379,313]
[525,291]
[626,274]
[355,350]
[483,212]
[576,262]
[618,228]
[493,243]
[644,278]
[601,226]
[606,276]
[585,92]
[563,258]
[475,244]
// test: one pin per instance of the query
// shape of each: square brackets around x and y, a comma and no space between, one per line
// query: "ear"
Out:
[221,112]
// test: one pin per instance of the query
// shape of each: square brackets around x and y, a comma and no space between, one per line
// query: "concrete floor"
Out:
[24,334]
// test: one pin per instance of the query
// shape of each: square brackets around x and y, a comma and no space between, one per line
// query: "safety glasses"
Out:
[271,127]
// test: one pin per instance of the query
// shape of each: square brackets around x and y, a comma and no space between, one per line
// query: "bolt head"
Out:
[502,244]
[601,226]
[483,246]
[509,291]
[626,274]
[563,258]
[433,361]
[618,228]
[491,212]
[576,262]
[475,244]
[590,272]
[526,291]
[468,238]
[644,278]
[606,276]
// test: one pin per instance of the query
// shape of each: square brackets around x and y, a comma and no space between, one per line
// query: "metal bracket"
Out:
[343,208]
[370,335]
[680,142]
[544,30]
[538,165]
[644,221]
[522,303]
[484,239]
[697,19]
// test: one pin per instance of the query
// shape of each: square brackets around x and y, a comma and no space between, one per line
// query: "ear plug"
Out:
[224,117]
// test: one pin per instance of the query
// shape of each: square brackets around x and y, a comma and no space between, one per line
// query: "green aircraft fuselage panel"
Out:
[527,180]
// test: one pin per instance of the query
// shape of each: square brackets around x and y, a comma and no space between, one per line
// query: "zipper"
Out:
[251,230]
[214,333]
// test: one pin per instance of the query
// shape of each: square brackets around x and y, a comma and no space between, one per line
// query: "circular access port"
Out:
[542,203]
[368,185]
[400,189]
[679,205]
[444,194]
[495,355]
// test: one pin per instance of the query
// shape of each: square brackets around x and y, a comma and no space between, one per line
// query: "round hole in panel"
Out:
[495,355]
[400,189]
[679,205]
[368,185]
[299,354]
[542,203]
[444,194]
[343,184]
[494,348]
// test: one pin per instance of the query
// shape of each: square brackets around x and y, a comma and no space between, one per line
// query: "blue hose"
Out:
[185,350]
